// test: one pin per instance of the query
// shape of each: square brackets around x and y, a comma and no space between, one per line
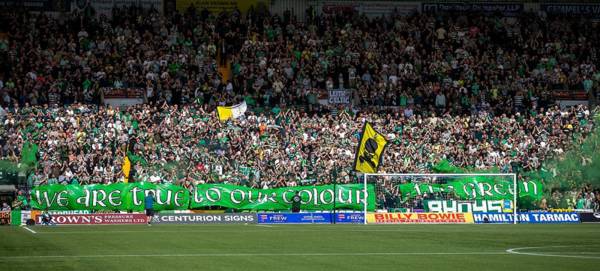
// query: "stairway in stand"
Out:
[224,67]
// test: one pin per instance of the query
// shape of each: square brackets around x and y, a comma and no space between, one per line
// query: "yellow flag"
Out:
[370,150]
[231,112]
[126,168]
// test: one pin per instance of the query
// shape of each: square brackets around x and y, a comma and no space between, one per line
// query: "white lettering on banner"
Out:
[478,189]
[158,197]
[62,201]
[266,197]
[178,198]
[341,197]
[526,187]
[215,196]
[44,196]
[136,200]
[339,97]
[114,198]
[309,196]
[486,189]
[233,198]
[472,192]
[287,199]
[453,206]
[98,197]
[84,200]
[499,189]
[211,195]
[322,196]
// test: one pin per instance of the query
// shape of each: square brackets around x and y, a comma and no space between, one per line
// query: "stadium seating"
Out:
[477,91]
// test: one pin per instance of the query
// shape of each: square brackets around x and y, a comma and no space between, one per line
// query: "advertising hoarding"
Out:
[235,218]
[420,218]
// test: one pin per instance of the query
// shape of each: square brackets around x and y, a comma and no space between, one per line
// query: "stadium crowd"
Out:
[169,143]
[477,91]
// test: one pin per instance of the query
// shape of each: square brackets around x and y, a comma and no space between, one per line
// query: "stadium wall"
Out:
[590,9]
[297,8]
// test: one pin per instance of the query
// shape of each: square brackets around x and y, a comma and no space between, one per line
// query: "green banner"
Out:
[130,196]
[481,188]
[15,217]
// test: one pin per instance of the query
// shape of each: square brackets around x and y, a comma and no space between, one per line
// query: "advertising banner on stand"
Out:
[586,11]
[350,218]
[4,217]
[105,7]
[420,218]
[235,218]
[339,96]
[530,218]
[294,218]
[368,8]
[95,219]
[218,6]
[117,97]
[590,217]
[506,9]
[482,188]
[37,5]
[310,218]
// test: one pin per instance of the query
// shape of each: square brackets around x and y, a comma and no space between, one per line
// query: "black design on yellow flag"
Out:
[370,150]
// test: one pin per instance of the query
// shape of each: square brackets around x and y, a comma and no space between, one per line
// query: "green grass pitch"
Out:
[302,247]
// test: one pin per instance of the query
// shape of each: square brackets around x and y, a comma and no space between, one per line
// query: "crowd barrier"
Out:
[85,218]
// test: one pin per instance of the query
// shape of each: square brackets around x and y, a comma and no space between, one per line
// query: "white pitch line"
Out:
[266,226]
[279,229]
[29,257]
[30,230]
[518,251]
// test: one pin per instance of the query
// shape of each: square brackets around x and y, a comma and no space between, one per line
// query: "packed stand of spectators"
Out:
[451,63]
[473,90]
[86,144]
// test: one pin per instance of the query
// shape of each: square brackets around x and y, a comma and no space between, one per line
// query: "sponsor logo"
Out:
[547,218]
[205,218]
[295,218]
[95,219]
[420,218]
[350,218]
